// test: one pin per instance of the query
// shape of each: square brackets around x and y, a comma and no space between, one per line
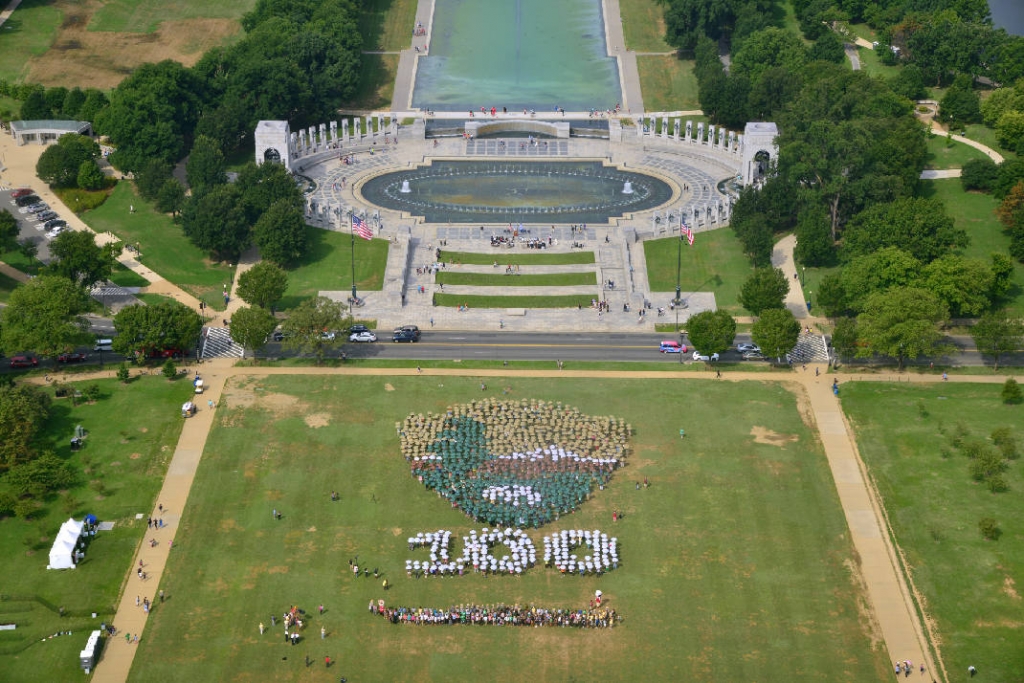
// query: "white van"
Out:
[104,345]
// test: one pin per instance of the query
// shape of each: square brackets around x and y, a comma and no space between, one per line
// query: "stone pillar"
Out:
[334,132]
[700,133]
[710,141]
[689,131]
[380,124]
[675,131]
[344,130]
[664,127]
[639,127]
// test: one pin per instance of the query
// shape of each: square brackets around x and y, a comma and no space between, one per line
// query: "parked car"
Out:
[47,215]
[697,355]
[27,200]
[363,337]
[38,207]
[669,346]
[748,347]
[408,328]
[753,355]
[104,345]
[329,336]
[21,192]
[279,335]
[24,362]
[358,328]
[55,223]
[71,357]
[56,231]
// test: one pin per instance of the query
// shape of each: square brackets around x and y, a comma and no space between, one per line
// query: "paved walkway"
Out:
[13,273]
[782,257]
[886,587]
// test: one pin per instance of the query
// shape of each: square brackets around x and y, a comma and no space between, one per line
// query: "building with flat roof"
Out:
[45,132]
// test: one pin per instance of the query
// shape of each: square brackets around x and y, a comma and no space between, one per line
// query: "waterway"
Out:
[519,54]
[1008,14]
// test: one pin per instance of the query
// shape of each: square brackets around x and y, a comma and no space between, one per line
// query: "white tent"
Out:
[63,550]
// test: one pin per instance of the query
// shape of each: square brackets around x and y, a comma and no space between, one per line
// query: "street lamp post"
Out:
[679,268]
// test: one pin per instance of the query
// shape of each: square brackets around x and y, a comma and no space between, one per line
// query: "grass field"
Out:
[387,24]
[643,26]
[327,265]
[974,212]
[486,301]
[124,277]
[668,83]
[987,137]
[870,63]
[26,264]
[145,16]
[943,153]
[502,280]
[517,259]
[165,248]
[709,590]
[376,82]
[715,263]
[132,432]
[970,585]
[28,33]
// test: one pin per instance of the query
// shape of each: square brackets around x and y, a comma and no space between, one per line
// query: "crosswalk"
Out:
[217,343]
[810,348]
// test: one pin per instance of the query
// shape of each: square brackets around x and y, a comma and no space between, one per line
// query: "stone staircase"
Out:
[217,343]
[810,348]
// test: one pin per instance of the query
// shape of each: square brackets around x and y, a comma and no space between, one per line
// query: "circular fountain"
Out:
[515,191]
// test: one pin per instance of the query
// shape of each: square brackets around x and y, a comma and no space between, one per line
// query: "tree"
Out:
[9,231]
[1011,393]
[711,331]
[280,233]
[909,82]
[123,373]
[832,296]
[979,174]
[251,327]
[80,259]
[1012,206]
[72,103]
[963,284]
[844,338]
[1010,129]
[262,285]
[24,410]
[143,330]
[776,332]
[34,107]
[920,227]
[90,177]
[216,223]
[205,168]
[960,105]
[60,164]
[169,370]
[882,270]
[996,333]
[312,325]
[44,315]
[171,196]
[827,48]
[151,176]
[902,323]
[1002,276]
[814,245]
[772,47]
[765,288]
[266,184]
[686,21]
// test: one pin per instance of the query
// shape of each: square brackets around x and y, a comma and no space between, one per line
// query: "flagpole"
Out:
[353,233]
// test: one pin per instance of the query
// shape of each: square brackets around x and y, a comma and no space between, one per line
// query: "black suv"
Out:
[409,333]
[358,328]
[27,200]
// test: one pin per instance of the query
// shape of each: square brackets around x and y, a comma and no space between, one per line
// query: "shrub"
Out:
[93,392]
[123,373]
[997,484]
[1011,392]
[989,528]
[1002,437]
[170,370]
[987,464]
[960,432]
[82,200]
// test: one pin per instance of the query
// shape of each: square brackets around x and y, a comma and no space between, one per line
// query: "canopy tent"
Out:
[63,551]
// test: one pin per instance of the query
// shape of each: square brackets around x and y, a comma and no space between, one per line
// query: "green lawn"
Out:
[502,280]
[145,16]
[974,212]
[708,589]
[485,301]
[387,24]
[715,263]
[987,137]
[948,153]
[870,64]
[668,83]
[376,82]
[327,265]
[164,247]
[7,286]
[643,26]
[28,33]
[132,430]
[125,277]
[153,299]
[970,585]
[26,264]
[516,258]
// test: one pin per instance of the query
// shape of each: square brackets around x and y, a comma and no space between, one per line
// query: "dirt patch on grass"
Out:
[229,525]
[868,620]
[317,420]
[388,386]
[1010,588]
[102,59]
[135,456]
[767,436]
[249,396]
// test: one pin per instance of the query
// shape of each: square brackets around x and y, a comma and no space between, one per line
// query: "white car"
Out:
[362,337]
[56,231]
[748,348]
[697,355]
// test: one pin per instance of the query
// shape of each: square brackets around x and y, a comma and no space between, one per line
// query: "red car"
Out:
[24,362]
[71,358]
[21,193]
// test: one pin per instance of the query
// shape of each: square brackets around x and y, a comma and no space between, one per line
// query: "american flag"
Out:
[689,234]
[360,228]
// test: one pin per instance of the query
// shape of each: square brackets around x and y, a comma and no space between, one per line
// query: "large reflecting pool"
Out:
[523,191]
